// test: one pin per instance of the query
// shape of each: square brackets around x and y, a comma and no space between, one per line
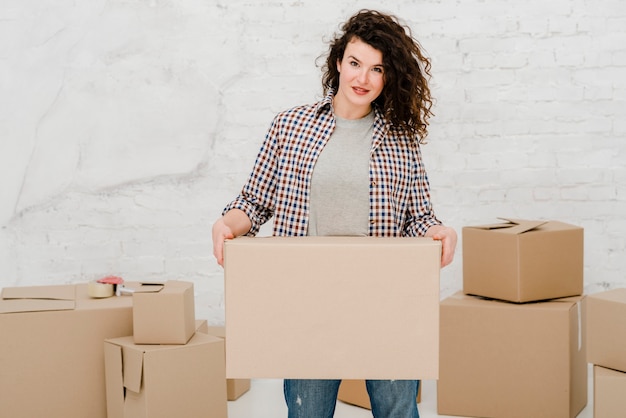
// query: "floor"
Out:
[265,400]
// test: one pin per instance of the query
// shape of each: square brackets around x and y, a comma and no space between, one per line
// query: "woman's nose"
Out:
[362,76]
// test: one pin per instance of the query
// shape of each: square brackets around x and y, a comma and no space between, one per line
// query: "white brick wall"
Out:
[126,126]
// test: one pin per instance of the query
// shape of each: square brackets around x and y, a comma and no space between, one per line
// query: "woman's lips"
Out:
[360,91]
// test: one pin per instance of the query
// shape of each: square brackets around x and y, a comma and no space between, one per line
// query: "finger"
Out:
[217,253]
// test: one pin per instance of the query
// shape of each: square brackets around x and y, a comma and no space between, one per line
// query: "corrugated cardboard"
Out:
[235,388]
[332,307]
[606,329]
[508,360]
[164,381]
[51,355]
[523,261]
[354,392]
[609,393]
[165,316]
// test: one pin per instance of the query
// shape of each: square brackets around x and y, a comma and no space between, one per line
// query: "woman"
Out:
[349,165]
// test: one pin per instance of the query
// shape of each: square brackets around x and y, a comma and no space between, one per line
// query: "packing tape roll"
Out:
[100,290]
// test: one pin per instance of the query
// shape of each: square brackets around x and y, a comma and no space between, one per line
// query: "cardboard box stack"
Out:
[51,354]
[512,343]
[606,348]
[165,368]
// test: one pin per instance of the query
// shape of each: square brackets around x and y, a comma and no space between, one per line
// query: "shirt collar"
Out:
[326,103]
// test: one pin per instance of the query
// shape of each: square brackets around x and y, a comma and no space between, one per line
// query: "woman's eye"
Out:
[377,69]
[354,63]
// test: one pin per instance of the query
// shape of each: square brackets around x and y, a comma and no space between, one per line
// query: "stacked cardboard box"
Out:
[523,261]
[512,341]
[606,345]
[51,355]
[234,387]
[165,368]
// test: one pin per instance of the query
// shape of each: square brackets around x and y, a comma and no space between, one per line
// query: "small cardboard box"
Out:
[305,307]
[523,261]
[606,329]
[235,388]
[165,315]
[501,359]
[354,392]
[51,355]
[164,381]
[609,390]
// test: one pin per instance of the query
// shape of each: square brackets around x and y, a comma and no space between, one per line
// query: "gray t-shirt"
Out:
[340,190]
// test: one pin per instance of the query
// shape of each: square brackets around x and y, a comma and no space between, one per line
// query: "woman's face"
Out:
[361,79]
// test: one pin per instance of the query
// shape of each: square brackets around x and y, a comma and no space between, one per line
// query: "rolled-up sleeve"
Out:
[420,214]
[257,197]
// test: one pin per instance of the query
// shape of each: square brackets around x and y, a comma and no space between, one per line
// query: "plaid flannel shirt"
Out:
[279,184]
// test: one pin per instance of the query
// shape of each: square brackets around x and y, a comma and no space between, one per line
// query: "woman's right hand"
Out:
[221,232]
[234,223]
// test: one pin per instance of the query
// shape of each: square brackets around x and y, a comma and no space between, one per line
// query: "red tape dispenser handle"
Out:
[114,280]
[118,285]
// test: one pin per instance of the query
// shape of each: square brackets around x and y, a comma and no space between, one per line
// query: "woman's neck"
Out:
[349,111]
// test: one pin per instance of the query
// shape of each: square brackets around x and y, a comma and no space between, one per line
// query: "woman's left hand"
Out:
[448,239]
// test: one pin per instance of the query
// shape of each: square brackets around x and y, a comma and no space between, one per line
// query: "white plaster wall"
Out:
[126,125]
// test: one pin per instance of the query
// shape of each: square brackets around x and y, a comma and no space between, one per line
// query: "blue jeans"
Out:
[317,398]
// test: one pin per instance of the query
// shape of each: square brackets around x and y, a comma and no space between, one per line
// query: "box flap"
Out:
[202,326]
[522,225]
[38,298]
[153,281]
[145,287]
[58,292]
[218,331]
[133,368]
[114,380]
[35,305]
[513,226]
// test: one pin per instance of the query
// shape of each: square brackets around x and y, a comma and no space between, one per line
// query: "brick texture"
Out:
[126,127]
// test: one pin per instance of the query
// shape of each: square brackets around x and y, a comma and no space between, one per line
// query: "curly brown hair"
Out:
[405,99]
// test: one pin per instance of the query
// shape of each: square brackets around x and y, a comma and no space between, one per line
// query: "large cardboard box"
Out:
[51,354]
[165,315]
[508,360]
[164,381]
[606,329]
[332,307]
[235,388]
[609,393]
[523,261]
[354,392]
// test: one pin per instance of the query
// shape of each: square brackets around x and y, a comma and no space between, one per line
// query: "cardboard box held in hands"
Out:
[332,307]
